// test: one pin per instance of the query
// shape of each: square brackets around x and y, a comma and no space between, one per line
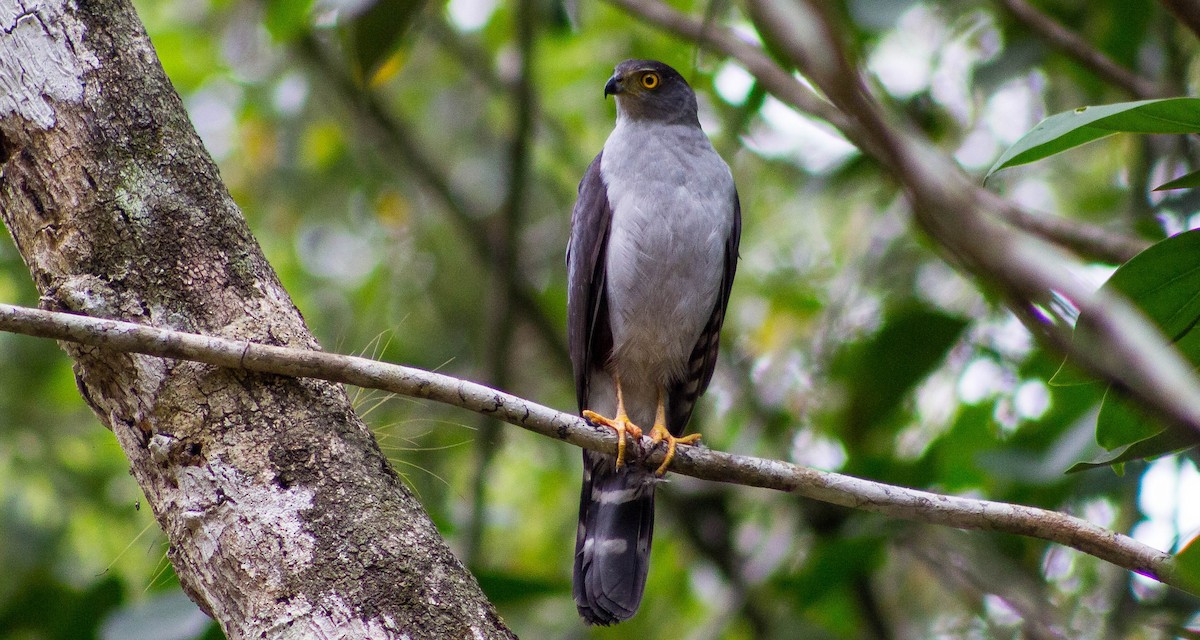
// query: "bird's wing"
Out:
[683,394]
[589,337]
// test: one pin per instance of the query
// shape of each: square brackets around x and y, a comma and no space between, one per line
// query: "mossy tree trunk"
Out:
[284,518]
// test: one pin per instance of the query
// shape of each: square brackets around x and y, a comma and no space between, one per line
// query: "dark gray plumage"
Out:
[651,259]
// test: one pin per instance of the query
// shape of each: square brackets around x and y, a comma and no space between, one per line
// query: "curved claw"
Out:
[621,425]
[660,434]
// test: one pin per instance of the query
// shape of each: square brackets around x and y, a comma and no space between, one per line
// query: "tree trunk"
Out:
[284,518]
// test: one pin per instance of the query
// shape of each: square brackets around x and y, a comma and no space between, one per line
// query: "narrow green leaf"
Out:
[1189,181]
[1164,442]
[1166,115]
[1164,282]
[1187,562]
[1046,139]
[1121,422]
[1070,129]
[376,32]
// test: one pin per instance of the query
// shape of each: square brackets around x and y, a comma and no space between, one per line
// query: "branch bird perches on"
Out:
[698,462]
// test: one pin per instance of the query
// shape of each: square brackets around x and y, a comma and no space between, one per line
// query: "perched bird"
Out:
[650,262]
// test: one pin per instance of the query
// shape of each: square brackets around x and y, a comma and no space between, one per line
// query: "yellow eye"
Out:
[650,80]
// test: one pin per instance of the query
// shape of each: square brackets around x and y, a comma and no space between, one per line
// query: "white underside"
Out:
[672,201]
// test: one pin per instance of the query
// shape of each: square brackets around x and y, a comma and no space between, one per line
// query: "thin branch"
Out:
[774,78]
[1075,47]
[1087,240]
[1117,343]
[1187,11]
[402,141]
[698,462]
[1084,240]
[972,569]
[1121,345]
[503,310]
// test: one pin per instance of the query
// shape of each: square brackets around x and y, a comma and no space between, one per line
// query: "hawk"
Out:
[650,262]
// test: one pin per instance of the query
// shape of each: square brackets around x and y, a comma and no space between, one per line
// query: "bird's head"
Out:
[651,90]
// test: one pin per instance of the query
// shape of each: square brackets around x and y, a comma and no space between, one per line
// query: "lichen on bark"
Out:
[284,517]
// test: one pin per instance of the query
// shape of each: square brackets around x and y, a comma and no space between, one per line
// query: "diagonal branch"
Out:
[1187,11]
[1084,240]
[1121,346]
[698,462]
[1087,240]
[401,140]
[503,304]
[1118,344]
[1075,47]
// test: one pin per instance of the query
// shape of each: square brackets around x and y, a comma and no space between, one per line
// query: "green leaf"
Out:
[287,18]
[1164,282]
[884,369]
[376,32]
[1121,422]
[1164,442]
[1068,375]
[1069,129]
[1187,562]
[1189,181]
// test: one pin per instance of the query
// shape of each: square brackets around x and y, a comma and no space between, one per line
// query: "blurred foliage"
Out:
[370,146]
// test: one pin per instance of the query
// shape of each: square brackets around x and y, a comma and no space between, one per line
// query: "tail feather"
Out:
[612,547]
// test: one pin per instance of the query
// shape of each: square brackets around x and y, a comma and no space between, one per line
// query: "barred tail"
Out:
[612,548]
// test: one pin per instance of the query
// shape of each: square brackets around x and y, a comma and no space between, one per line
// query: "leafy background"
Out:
[411,181]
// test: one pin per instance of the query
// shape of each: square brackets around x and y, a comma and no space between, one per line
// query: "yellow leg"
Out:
[620,424]
[659,433]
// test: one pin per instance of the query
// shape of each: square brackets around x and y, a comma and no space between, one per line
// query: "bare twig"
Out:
[503,311]
[699,462]
[1070,43]
[1187,11]
[971,568]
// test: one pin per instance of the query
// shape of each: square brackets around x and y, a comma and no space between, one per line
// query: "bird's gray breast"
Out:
[672,201]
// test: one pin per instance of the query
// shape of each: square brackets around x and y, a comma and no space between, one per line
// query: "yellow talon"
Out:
[659,433]
[621,425]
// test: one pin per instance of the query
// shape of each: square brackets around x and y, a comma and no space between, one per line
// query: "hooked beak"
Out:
[613,86]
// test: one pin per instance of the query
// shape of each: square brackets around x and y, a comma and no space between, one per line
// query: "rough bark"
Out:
[284,518]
